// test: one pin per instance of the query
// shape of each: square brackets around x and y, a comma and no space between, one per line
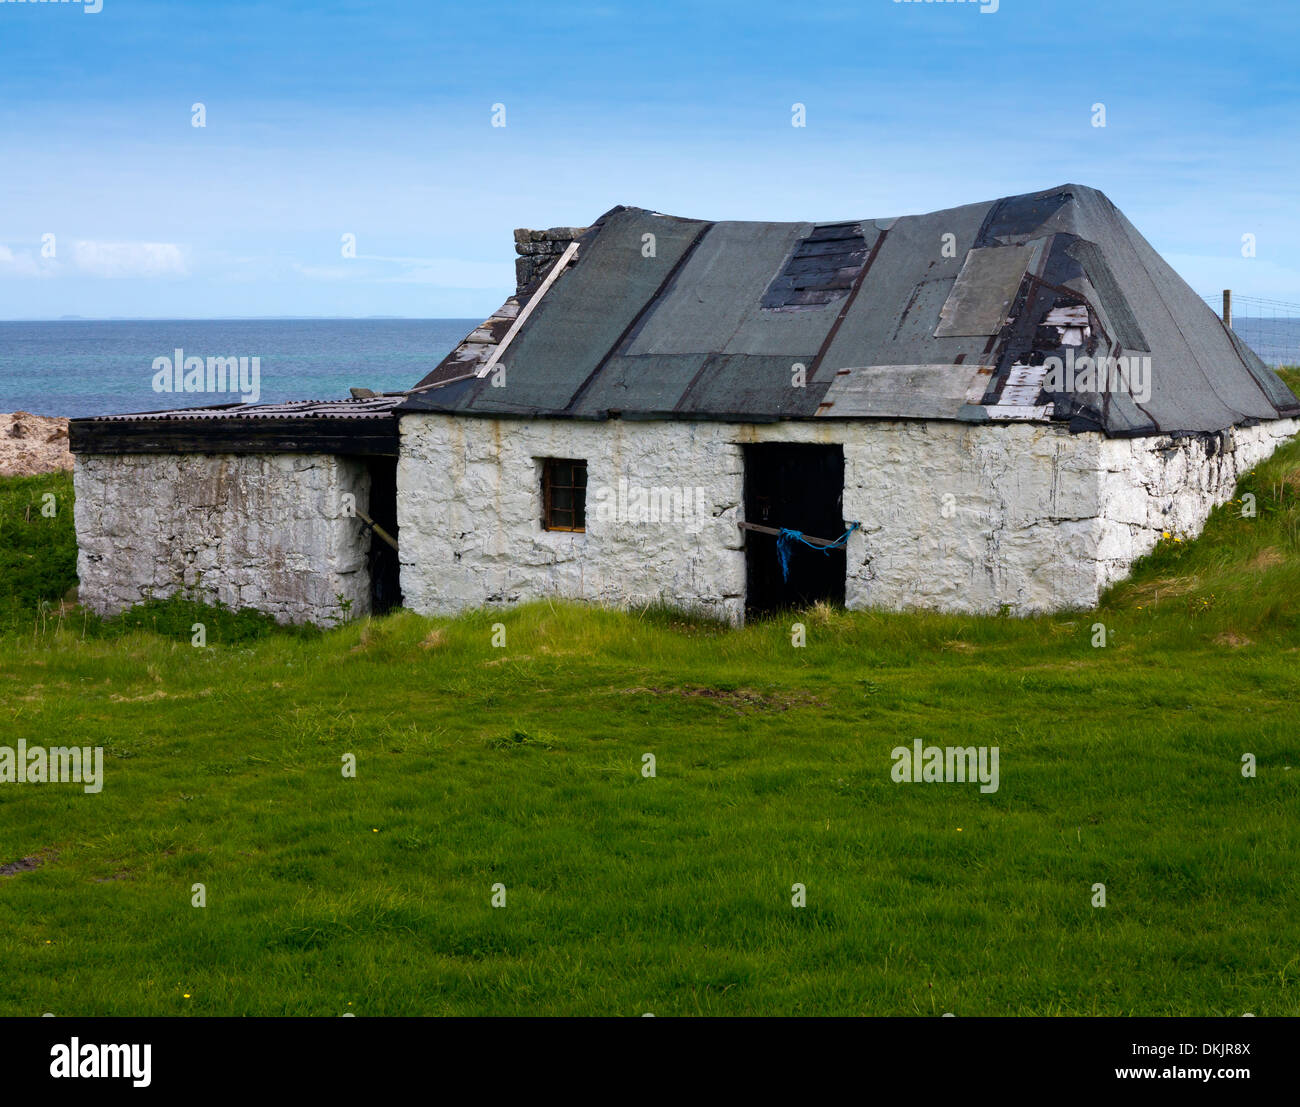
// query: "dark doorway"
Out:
[799,488]
[385,570]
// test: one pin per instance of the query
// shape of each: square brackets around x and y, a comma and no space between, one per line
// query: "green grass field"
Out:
[522,766]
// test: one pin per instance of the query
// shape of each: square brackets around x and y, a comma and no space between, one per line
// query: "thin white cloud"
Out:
[326,272]
[450,273]
[129,259]
[23,264]
[438,272]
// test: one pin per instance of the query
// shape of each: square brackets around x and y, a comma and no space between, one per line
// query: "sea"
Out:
[77,368]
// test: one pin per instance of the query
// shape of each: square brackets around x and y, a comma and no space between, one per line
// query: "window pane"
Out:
[564,484]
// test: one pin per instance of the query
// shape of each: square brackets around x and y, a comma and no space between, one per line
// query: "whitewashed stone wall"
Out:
[265,531]
[955,517]
[1150,486]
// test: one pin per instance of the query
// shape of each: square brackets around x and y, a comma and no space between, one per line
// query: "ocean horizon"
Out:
[82,367]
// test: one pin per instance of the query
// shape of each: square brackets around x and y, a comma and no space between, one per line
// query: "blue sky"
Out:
[375,119]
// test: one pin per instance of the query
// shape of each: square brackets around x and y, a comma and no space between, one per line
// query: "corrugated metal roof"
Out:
[374,407]
[362,427]
[940,316]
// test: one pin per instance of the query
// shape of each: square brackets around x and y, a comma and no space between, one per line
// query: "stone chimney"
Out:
[537,252]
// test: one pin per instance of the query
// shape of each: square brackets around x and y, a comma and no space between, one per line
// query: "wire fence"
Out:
[1269,327]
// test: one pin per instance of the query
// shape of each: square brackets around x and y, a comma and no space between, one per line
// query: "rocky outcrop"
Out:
[31,444]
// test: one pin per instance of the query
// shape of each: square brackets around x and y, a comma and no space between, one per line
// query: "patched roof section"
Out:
[824,266]
[374,407]
[957,314]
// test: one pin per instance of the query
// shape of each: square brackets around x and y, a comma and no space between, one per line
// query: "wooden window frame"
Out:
[550,471]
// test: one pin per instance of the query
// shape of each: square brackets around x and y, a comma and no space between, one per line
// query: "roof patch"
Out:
[904,391]
[821,270]
[1113,301]
[984,291]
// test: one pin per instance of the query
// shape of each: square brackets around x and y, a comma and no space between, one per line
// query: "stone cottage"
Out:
[993,407]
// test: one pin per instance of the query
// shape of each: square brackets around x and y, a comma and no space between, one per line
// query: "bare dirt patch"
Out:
[739,699]
[23,865]
[32,444]
[114,876]
[1266,559]
[1232,639]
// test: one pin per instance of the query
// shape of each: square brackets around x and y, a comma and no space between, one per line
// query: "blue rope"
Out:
[788,537]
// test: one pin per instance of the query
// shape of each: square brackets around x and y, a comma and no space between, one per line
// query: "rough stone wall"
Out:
[538,250]
[1153,486]
[470,489]
[266,531]
[955,517]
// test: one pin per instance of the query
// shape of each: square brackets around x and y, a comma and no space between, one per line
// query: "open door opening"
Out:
[385,570]
[799,488]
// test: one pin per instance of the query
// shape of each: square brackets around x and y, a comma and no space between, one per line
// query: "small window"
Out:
[564,494]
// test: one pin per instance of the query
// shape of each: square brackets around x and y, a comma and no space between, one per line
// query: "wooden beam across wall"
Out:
[361,437]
